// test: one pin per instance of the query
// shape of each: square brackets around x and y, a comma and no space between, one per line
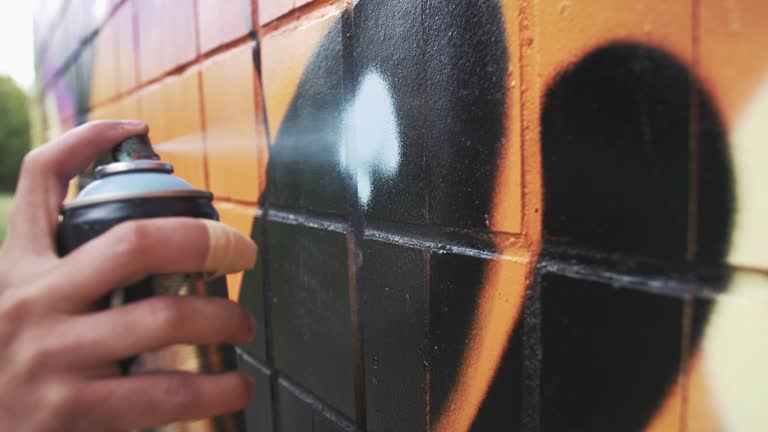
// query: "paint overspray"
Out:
[370,130]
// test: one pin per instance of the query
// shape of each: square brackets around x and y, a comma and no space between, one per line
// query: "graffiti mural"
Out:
[472,214]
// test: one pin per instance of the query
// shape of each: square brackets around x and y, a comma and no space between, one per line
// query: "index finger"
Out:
[45,173]
[134,249]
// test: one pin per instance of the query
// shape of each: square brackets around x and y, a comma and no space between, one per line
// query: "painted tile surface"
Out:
[173,109]
[220,21]
[234,139]
[472,215]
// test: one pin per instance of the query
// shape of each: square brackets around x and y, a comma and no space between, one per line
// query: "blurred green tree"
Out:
[14,132]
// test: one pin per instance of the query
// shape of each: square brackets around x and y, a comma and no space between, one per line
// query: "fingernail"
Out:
[133,124]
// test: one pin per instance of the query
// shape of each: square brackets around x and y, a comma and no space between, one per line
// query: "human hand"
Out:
[59,356]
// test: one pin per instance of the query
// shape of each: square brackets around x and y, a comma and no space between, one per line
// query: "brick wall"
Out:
[486,214]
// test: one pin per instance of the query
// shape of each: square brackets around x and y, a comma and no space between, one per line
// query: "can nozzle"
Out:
[133,154]
[133,148]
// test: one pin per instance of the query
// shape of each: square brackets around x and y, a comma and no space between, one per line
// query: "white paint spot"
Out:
[749,153]
[736,352]
[735,346]
[371,142]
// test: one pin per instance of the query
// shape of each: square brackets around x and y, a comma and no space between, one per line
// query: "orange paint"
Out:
[732,57]
[104,112]
[104,76]
[507,213]
[127,108]
[284,55]
[668,416]
[126,49]
[271,9]
[152,102]
[516,209]
[699,409]
[184,142]
[145,41]
[569,29]
[221,21]
[499,305]
[234,133]
[166,39]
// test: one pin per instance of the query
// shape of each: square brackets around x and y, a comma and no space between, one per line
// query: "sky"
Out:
[16,42]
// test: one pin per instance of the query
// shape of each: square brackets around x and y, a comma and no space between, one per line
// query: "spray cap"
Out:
[135,172]
[133,154]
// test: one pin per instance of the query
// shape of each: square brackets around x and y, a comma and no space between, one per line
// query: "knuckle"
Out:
[34,161]
[37,357]
[14,311]
[61,399]
[167,313]
[131,238]
[179,392]
[15,306]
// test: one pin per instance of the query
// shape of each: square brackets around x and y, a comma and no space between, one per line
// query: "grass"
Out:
[6,204]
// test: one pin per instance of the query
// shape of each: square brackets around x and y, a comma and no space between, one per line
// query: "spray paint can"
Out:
[136,184]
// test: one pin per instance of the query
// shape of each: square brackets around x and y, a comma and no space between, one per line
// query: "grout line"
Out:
[331,223]
[317,404]
[256,364]
[307,396]
[693,216]
[136,50]
[56,22]
[585,257]
[674,286]
[482,244]
[74,55]
[530,321]
[116,73]
[265,214]
[693,161]
[427,253]
[424,111]
[358,361]
[419,237]
[59,20]
[179,70]
[426,348]
[686,356]
[431,244]
[296,15]
[520,112]
[354,235]
[203,132]
[201,101]
[271,378]
[269,343]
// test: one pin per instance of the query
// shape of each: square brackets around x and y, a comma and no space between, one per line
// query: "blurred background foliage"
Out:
[14,132]
[15,141]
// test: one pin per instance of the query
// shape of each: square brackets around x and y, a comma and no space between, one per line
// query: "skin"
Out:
[58,355]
